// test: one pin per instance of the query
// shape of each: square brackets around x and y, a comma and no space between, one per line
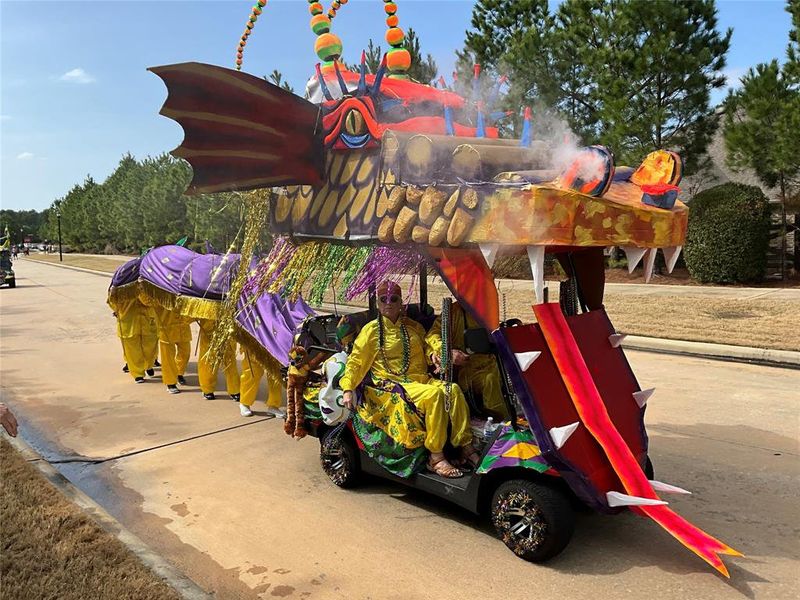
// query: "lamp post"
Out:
[60,255]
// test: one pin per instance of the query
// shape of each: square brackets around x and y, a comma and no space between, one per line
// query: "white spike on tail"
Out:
[615,339]
[489,252]
[525,359]
[560,435]
[649,263]
[660,486]
[643,396]
[616,499]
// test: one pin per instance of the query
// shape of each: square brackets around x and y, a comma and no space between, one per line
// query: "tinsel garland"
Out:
[383,263]
[353,268]
[256,214]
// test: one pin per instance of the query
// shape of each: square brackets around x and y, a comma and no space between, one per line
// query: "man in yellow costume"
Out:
[391,349]
[206,375]
[477,373]
[136,328]
[252,372]
[175,345]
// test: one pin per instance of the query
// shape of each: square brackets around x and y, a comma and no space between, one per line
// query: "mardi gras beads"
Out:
[248,28]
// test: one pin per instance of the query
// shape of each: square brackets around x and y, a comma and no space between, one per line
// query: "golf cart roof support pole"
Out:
[423,286]
[373,301]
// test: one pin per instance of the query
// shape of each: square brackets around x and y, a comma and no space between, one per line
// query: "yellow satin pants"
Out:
[252,371]
[208,376]
[481,376]
[140,352]
[174,358]
[430,399]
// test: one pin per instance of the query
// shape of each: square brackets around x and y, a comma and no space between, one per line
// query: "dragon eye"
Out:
[354,123]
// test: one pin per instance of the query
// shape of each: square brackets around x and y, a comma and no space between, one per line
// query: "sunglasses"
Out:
[389,299]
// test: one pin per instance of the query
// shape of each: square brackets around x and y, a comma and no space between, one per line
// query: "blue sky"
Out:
[75,95]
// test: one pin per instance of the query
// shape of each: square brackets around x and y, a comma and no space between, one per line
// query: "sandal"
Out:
[469,457]
[443,468]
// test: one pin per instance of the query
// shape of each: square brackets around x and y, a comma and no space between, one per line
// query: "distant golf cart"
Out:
[7,276]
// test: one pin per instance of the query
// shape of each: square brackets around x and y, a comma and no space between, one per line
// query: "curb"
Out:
[786,359]
[184,586]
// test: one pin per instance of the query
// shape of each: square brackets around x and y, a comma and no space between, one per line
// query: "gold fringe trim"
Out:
[150,294]
[257,352]
[198,308]
[123,293]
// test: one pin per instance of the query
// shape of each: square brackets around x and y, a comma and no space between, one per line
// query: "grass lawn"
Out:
[51,549]
[96,263]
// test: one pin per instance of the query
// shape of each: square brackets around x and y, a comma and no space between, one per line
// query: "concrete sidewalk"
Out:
[246,512]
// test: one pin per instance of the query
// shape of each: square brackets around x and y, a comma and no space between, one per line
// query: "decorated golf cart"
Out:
[374,177]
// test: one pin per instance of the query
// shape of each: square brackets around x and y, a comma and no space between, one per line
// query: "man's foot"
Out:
[150,372]
[441,467]
[125,368]
[181,379]
[209,396]
[469,457]
[139,379]
[173,389]
[236,397]
[245,410]
[276,412]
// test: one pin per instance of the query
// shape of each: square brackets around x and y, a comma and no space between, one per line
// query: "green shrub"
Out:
[728,234]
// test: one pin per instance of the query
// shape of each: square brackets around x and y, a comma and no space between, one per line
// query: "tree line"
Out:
[630,74]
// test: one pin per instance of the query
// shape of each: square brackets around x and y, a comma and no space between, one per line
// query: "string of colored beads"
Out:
[248,28]
[398,59]
[328,46]
[406,348]
[446,362]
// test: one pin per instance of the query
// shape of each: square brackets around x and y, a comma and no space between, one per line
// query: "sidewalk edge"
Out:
[184,586]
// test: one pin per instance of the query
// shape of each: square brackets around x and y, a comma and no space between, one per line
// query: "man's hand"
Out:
[349,400]
[8,421]
[436,359]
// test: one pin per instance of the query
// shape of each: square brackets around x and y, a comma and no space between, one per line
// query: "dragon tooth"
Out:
[489,252]
[671,254]
[617,499]
[634,255]
[649,263]
[525,359]
[643,396]
[560,435]
[536,258]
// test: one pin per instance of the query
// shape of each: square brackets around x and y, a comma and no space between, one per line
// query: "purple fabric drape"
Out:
[127,273]
[164,265]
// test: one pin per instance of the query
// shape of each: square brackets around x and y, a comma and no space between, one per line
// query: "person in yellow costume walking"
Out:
[477,373]
[206,375]
[252,372]
[392,349]
[137,330]
[175,344]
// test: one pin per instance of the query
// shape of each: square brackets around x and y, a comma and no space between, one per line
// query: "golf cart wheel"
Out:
[536,522]
[339,459]
[649,471]
[12,283]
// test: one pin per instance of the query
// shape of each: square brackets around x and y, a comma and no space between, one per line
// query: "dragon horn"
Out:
[323,86]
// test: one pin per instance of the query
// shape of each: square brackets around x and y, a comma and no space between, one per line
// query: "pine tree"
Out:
[276,77]
[423,69]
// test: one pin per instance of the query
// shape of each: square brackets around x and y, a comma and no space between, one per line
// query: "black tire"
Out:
[12,283]
[649,471]
[339,459]
[534,521]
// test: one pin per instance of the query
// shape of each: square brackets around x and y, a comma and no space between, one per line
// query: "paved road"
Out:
[246,512]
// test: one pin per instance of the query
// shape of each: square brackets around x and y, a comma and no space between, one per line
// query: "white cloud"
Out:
[25,156]
[733,75]
[77,76]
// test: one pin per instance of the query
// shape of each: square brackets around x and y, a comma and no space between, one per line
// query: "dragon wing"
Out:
[240,132]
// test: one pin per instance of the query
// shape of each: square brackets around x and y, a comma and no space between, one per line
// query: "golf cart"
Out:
[7,276]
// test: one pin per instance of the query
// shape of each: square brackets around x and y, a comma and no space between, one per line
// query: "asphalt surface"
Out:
[247,512]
